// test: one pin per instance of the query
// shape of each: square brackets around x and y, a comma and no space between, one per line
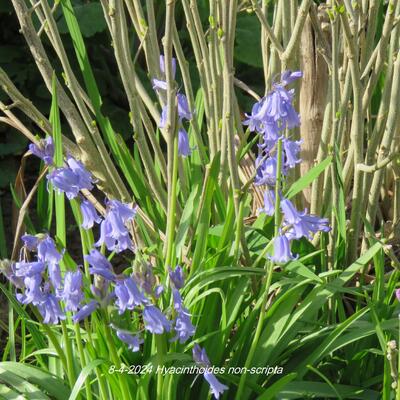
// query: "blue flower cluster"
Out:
[40,282]
[183,110]
[270,117]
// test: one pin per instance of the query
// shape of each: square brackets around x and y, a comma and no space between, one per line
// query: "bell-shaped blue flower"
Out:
[45,150]
[155,321]
[282,253]
[85,311]
[133,342]
[176,277]
[128,295]
[183,143]
[30,241]
[200,357]
[291,151]
[290,212]
[269,203]
[99,265]
[89,214]
[72,293]
[216,387]
[33,291]
[50,309]
[23,269]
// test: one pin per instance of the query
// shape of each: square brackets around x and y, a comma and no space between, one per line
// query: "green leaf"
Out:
[90,17]
[82,377]
[308,178]
[49,383]
[248,40]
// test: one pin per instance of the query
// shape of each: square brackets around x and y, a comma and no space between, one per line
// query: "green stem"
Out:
[68,350]
[270,266]
[171,219]
[82,357]
[160,361]
[115,358]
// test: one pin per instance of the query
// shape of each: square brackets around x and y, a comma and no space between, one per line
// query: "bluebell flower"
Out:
[47,252]
[99,265]
[64,180]
[72,293]
[9,271]
[54,275]
[160,83]
[163,118]
[291,151]
[30,241]
[288,77]
[176,277]
[113,231]
[183,143]
[23,269]
[33,290]
[183,107]
[162,65]
[89,214]
[252,121]
[290,212]
[44,151]
[282,253]
[85,179]
[71,179]
[158,291]
[266,172]
[200,357]
[177,299]
[145,278]
[155,321]
[50,309]
[183,326]
[133,342]
[269,203]
[217,388]
[308,225]
[85,311]
[128,295]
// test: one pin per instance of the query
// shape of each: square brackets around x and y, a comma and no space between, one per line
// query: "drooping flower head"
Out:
[99,265]
[50,309]
[30,241]
[155,321]
[183,326]
[85,311]
[176,276]
[113,231]
[281,253]
[200,357]
[45,150]
[33,292]
[133,342]
[71,179]
[128,295]
[183,143]
[72,293]
[269,203]
[89,214]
